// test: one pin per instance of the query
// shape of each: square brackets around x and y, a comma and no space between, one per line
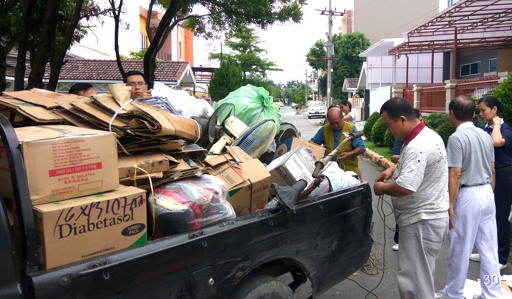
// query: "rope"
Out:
[151,197]
[373,266]
[112,120]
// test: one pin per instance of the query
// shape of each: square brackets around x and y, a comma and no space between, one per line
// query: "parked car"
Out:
[277,103]
[317,109]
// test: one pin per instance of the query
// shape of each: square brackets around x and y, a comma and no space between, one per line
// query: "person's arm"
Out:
[319,137]
[392,189]
[354,152]
[382,187]
[497,138]
[453,189]
[347,117]
[493,182]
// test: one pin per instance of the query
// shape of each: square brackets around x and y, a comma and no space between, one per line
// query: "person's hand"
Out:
[378,188]
[385,175]
[496,120]
[343,156]
[450,214]
[148,93]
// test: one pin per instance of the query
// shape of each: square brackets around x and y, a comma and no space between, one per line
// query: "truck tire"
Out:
[262,287]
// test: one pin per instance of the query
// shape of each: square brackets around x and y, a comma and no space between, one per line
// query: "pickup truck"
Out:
[324,241]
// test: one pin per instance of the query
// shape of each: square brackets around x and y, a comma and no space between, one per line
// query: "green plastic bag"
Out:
[252,104]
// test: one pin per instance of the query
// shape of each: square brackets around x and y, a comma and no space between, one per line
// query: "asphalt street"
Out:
[382,281]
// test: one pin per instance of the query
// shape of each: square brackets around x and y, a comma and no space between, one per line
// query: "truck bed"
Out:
[325,241]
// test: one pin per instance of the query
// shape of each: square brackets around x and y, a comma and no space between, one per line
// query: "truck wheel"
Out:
[262,287]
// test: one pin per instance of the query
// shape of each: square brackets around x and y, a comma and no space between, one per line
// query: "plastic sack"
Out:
[252,104]
[190,204]
[339,179]
[185,104]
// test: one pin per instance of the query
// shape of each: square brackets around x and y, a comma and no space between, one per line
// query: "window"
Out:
[470,69]
[143,42]
[493,65]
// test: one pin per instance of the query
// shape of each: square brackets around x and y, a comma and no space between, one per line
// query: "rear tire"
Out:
[262,287]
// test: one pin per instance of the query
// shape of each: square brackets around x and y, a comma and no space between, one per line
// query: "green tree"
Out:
[219,17]
[139,55]
[44,30]
[273,89]
[317,56]
[347,48]
[246,52]
[503,93]
[347,63]
[226,78]
[322,85]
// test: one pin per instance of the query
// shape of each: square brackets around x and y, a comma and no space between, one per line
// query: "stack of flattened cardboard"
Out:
[154,169]
[138,126]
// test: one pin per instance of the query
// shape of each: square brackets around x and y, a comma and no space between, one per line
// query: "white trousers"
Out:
[474,224]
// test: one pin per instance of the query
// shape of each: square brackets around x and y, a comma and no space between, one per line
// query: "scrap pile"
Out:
[96,154]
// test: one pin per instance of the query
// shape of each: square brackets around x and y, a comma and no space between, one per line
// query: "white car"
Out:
[294,105]
[317,109]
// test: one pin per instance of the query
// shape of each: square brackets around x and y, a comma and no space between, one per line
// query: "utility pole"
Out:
[306,85]
[330,49]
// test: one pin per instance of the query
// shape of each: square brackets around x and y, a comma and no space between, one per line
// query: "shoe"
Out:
[502,266]
[474,257]
[439,295]
[395,247]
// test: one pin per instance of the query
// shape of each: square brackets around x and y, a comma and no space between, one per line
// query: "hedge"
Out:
[378,131]
[367,129]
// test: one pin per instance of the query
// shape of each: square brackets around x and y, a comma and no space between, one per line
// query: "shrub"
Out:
[368,125]
[504,94]
[445,130]
[434,120]
[389,139]
[378,131]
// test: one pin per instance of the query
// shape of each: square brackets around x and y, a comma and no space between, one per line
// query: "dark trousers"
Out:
[503,200]
[395,237]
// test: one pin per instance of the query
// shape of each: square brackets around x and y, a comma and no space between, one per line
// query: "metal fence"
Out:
[476,87]
[433,97]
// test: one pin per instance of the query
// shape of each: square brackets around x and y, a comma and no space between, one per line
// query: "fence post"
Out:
[417,95]
[397,91]
[450,92]
[503,76]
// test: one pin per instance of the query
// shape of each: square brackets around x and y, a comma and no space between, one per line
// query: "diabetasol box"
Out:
[316,151]
[83,227]
[63,161]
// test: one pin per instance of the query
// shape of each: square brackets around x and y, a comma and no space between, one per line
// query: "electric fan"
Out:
[254,139]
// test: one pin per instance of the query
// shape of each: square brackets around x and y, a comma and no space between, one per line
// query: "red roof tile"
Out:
[97,69]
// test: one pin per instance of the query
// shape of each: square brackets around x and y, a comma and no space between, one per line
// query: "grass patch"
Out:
[381,150]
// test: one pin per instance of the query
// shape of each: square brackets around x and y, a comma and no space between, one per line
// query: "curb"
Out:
[378,159]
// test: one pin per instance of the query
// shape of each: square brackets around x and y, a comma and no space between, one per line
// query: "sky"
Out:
[287,45]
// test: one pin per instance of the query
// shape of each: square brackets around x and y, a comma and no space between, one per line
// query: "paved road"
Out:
[384,281]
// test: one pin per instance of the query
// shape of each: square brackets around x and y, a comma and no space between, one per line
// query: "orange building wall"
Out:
[189,46]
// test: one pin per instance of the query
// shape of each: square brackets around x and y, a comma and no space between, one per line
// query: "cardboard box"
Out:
[291,167]
[79,228]
[316,151]
[151,163]
[248,181]
[63,162]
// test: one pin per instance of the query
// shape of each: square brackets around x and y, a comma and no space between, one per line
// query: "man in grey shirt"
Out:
[419,195]
[472,210]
